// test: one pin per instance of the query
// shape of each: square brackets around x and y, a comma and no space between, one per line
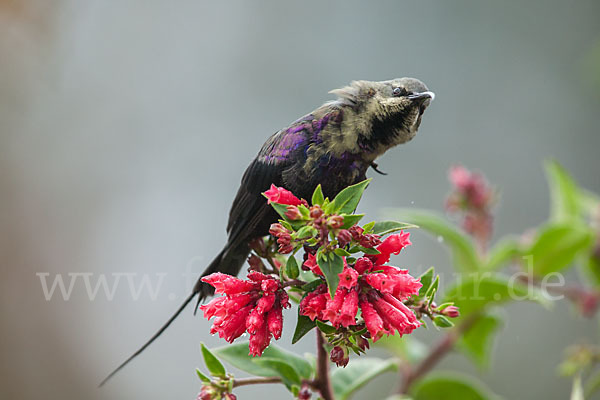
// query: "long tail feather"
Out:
[152,339]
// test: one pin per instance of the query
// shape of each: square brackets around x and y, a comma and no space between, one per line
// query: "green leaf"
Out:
[477,291]
[312,285]
[331,267]
[341,252]
[291,267]
[450,387]
[433,288]
[365,250]
[327,329]
[478,339]
[503,252]
[351,219]
[557,246]
[303,326]
[564,194]
[443,306]
[288,374]
[368,227]
[384,227]
[464,254]
[357,374]
[281,210]
[442,322]
[591,267]
[592,384]
[202,377]
[347,200]
[588,201]
[237,355]
[306,232]
[426,279]
[317,197]
[212,363]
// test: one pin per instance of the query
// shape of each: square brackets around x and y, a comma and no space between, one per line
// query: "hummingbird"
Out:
[333,146]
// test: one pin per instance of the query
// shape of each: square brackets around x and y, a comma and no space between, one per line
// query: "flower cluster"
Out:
[254,305]
[347,271]
[371,286]
[474,197]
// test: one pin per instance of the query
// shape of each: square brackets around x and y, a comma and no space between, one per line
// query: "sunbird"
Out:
[332,146]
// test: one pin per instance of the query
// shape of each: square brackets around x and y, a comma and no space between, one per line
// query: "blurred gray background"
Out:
[125,128]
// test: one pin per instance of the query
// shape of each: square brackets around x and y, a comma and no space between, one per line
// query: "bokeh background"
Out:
[125,127]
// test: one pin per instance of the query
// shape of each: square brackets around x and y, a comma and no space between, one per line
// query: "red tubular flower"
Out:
[282,196]
[395,281]
[254,306]
[334,306]
[314,303]
[395,315]
[392,245]
[275,322]
[311,264]
[349,309]
[259,340]
[227,284]
[373,321]
[348,278]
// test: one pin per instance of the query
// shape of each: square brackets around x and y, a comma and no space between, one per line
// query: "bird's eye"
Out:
[398,91]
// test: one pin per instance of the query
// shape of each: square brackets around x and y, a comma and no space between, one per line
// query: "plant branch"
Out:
[322,382]
[294,282]
[437,353]
[255,381]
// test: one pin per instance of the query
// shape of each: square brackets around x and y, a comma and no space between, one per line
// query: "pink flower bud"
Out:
[335,221]
[304,393]
[255,262]
[370,240]
[277,230]
[363,265]
[451,311]
[344,237]
[356,232]
[339,356]
[316,211]
[230,396]
[293,213]
[206,393]
[285,248]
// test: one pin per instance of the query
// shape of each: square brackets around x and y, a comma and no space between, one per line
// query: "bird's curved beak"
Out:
[422,96]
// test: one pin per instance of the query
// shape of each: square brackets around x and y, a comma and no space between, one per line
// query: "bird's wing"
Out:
[250,208]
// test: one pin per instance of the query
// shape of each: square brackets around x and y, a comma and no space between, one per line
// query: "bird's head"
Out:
[384,114]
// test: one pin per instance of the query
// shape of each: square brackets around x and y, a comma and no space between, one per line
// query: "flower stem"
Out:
[255,381]
[322,382]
